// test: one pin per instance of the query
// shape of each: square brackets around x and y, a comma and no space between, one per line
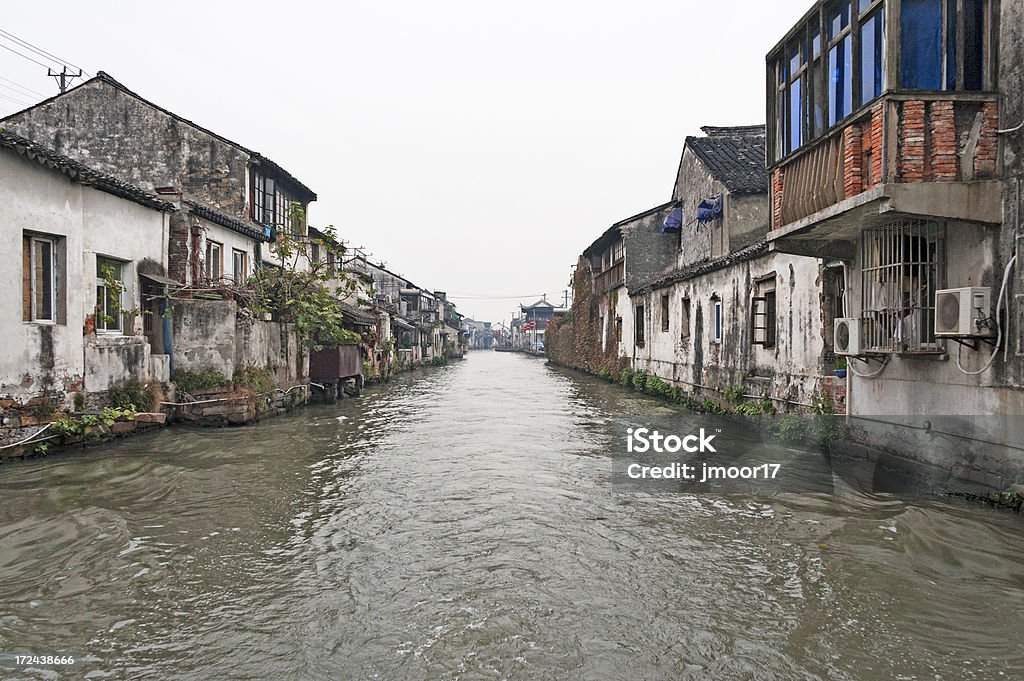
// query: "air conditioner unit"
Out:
[964,313]
[847,336]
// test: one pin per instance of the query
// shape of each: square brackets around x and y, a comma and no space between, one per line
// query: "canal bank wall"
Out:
[967,456]
[34,429]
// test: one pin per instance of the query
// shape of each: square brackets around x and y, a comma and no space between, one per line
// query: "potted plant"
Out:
[841,367]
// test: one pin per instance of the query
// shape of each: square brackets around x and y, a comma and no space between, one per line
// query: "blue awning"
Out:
[674,221]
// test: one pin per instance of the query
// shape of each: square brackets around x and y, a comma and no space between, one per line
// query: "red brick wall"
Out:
[876,146]
[853,161]
[911,143]
[942,142]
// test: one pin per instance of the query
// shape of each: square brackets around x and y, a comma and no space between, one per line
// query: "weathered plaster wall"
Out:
[229,240]
[210,334]
[648,250]
[693,184]
[59,358]
[110,130]
[747,217]
[790,370]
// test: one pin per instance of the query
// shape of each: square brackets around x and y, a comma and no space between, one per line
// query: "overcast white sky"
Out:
[476,148]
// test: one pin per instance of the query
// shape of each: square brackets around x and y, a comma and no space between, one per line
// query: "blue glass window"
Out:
[921,45]
[795,115]
[872,41]
[840,86]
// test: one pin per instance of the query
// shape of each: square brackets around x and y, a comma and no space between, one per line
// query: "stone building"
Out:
[233,194]
[732,314]
[903,163]
[90,246]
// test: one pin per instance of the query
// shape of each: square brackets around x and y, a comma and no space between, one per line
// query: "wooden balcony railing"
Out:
[611,277]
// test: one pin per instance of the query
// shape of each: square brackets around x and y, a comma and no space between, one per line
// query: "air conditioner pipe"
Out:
[999,325]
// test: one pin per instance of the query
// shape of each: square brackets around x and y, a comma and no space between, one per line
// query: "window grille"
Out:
[902,268]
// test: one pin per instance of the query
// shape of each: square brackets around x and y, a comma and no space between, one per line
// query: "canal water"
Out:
[462,523]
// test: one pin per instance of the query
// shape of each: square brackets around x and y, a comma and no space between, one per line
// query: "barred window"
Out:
[903,265]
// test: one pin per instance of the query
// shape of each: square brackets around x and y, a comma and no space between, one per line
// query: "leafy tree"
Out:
[302,291]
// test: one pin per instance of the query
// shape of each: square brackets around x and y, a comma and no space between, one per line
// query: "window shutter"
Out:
[760,321]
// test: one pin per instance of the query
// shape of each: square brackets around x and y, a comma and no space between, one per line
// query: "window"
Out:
[840,62]
[109,294]
[39,282]
[269,203]
[618,329]
[664,313]
[332,269]
[239,266]
[872,56]
[314,253]
[941,48]
[716,322]
[685,319]
[214,261]
[618,249]
[902,268]
[764,316]
[638,326]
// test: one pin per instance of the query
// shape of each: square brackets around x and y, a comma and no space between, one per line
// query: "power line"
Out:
[27,89]
[38,50]
[25,56]
[12,99]
[15,91]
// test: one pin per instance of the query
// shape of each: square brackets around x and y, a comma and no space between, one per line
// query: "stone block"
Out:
[151,417]
[122,427]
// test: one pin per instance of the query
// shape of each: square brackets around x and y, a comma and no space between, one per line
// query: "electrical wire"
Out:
[40,51]
[26,89]
[874,374]
[25,56]
[999,324]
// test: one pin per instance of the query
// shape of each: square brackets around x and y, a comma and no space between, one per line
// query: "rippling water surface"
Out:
[461,523]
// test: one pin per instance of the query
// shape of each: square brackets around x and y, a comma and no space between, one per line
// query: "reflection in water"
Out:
[462,523]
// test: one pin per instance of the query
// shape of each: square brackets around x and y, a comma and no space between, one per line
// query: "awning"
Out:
[402,324]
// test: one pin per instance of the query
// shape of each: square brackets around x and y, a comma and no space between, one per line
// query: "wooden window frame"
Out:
[31,314]
[764,315]
[666,321]
[102,325]
[245,266]
[210,245]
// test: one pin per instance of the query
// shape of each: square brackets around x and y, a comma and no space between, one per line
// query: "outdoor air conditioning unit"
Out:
[847,336]
[964,313]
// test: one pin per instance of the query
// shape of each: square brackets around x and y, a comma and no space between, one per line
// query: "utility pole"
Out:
[63,78]
[565,298]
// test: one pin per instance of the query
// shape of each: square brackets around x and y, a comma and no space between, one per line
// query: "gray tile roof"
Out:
[81,173]
[734,156]
[249,229]
[704,267]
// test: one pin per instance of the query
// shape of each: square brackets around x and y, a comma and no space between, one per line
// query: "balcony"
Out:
[613,276]
[907,155]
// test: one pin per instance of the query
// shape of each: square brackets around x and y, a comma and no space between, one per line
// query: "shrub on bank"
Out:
[196,380]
